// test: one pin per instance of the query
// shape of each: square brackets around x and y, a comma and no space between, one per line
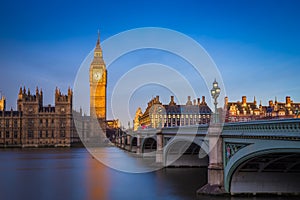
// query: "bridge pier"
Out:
[119,141]
[123,142]
[159,148]
[138,144]
[215,182]
[127,145]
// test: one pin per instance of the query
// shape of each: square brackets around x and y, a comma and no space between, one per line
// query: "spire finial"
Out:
[98,40]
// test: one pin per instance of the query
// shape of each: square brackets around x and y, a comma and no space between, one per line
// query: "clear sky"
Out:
[255,44]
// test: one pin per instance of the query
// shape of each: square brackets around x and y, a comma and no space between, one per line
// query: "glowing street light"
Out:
[215,92]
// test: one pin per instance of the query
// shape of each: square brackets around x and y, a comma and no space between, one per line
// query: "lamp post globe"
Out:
[215,92]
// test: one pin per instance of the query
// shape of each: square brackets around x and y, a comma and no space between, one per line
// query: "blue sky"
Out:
[255,44]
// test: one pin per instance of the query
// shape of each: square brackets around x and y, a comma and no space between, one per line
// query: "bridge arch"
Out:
[261,167]
[133,144]
[149,145]
[183,151]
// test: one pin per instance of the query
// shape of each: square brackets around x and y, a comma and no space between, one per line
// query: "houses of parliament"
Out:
[36,125]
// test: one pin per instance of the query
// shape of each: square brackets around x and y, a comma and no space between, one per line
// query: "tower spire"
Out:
[98,40]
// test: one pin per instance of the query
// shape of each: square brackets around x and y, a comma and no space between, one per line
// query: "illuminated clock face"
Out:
[97,75]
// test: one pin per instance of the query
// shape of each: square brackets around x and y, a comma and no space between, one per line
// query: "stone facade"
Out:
[35,125]
[248,111]
[158,115]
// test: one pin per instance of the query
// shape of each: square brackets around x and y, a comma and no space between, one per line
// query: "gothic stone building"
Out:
[35,125]
[158,115]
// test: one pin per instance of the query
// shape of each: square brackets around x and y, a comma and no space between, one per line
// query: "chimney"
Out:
[189,102]
[198,99]
[226,101]
[203,100]
[194,102]
[157,99]
[271,103]
[172,101]
[288,101]
[244,100]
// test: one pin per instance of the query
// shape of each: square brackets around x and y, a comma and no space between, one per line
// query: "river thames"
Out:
[74,174]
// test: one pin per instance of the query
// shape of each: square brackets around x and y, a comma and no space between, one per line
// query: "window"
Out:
[0,134]
[15,134]
[40,134]
[62,133]
[7,123]
[63,124]
[7,134]
[15,123]
[30,123]
[41,121]
[52,133]
[46,134]
[30,134]
[46,122]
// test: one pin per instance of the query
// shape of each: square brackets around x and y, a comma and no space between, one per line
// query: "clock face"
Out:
[97,75]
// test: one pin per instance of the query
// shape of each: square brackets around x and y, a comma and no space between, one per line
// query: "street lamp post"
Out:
[297,112]
[215,92]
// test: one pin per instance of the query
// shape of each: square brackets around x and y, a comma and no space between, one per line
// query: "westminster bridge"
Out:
[245,157]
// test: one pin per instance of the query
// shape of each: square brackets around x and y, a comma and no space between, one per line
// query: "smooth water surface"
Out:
[73,174]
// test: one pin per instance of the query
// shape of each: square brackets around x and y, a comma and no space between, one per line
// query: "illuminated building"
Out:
[247,111]
[158,115]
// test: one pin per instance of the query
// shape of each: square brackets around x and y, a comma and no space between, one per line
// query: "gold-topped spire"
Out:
[98,40]
[98,52]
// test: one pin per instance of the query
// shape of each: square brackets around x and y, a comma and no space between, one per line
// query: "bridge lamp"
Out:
[215,92]
[297,112]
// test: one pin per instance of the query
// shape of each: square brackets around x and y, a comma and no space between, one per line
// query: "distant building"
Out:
[158,115]
[35,125]
[247,111]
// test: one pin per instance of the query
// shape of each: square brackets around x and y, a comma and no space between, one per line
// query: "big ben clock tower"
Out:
[98,87]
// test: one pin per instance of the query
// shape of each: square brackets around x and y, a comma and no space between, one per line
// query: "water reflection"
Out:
[97,180]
